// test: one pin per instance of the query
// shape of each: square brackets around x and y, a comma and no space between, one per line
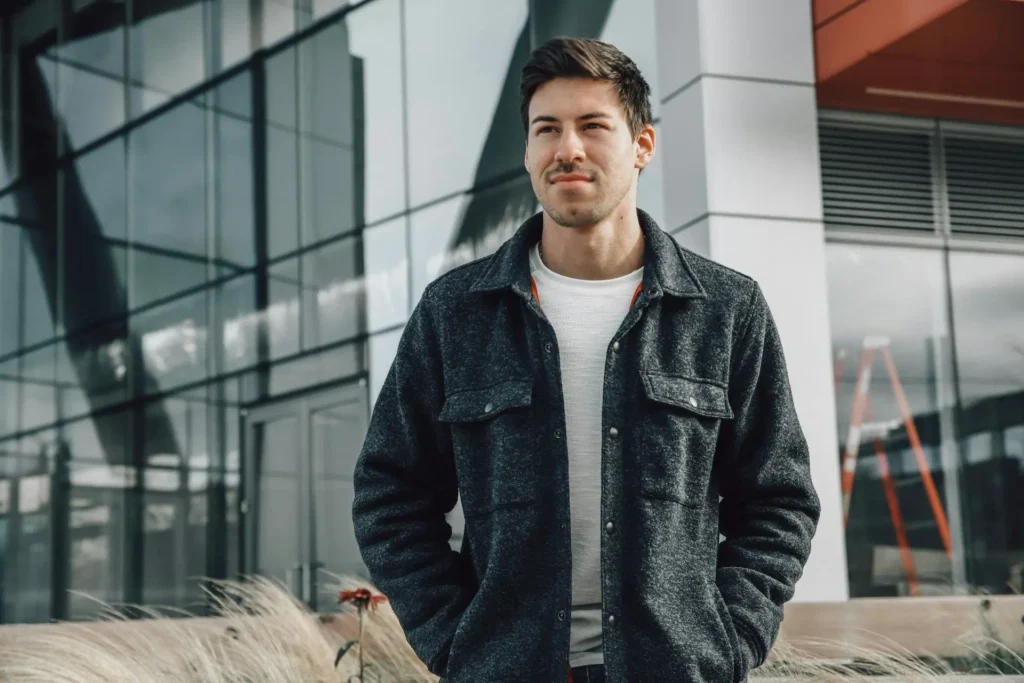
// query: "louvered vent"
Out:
[879,179]
[985,184]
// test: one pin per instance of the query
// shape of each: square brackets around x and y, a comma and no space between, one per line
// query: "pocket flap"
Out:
[474,405]
[698,396]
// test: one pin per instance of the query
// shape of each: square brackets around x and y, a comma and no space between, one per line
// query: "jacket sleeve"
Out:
[769,509]
[404,484]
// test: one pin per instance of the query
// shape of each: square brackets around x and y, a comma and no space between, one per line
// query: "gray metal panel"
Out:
[876,179]
[985,184]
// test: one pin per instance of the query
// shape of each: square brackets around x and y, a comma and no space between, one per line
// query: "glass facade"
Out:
[215,217]
[926,296]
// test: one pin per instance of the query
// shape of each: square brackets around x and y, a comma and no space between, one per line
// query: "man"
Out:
[605,404]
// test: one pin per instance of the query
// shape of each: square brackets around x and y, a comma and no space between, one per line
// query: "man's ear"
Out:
[645,146]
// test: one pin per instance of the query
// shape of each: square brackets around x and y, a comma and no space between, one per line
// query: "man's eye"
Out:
[545,129]
[594,125]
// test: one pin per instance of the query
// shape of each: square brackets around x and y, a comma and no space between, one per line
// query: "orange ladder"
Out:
[877,431]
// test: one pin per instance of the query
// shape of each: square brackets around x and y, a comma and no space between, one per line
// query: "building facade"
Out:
[216,216]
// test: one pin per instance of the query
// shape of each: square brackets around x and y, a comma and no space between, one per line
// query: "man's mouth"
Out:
[569,178]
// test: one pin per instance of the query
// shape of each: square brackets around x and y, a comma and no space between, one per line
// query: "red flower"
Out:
[361,598]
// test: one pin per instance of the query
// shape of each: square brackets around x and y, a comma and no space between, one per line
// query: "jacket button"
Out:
[548,346]
[561,615]
[609,526]
[693,402]
[615,346]
[558,433]
[489,407]
[611,618]
[613,432]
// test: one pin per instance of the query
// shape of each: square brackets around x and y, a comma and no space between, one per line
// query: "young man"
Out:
[605,404]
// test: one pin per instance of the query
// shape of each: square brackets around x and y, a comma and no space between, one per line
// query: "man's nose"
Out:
[569,148]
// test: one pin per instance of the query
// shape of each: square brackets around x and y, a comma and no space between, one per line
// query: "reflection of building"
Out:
[215,217]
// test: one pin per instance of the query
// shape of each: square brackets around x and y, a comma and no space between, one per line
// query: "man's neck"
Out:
[609,249]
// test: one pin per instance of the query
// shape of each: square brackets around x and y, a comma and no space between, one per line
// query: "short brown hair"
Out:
[586,58]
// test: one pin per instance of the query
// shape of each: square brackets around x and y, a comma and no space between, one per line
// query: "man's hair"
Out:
[586,58]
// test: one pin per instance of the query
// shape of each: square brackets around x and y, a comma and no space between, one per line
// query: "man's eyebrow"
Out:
[586,117]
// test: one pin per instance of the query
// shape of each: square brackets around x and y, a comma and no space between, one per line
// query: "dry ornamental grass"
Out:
[263,635]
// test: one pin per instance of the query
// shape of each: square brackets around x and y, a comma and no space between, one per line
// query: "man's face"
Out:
[580,154]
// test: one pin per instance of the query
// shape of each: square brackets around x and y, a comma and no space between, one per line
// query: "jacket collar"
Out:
[665,266]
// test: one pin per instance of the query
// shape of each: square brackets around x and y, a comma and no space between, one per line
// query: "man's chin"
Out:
[574,217]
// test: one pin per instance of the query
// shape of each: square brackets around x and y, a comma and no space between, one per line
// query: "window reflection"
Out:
[97,532]
[175,503]
[25,533]
[487,67]
[174,340]
[168,53]
[988,316]
[891,302]
[446,235]
[168,186]
[94,207]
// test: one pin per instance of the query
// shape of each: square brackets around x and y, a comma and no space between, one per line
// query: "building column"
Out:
[742,180]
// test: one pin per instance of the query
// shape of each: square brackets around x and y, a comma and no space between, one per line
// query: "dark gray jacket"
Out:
[697,406]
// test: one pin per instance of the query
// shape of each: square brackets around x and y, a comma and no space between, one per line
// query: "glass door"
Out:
[300,455]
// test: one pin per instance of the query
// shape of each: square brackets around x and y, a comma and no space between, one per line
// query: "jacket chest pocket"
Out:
[682,418]
[490,429]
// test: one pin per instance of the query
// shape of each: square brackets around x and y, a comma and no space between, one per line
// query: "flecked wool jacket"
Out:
[700,439]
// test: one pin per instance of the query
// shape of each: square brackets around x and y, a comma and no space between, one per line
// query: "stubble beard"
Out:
[583,215]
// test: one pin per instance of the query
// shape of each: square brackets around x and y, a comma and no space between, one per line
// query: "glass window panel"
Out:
[988,313]
[105,437]
[322,8]
[329,206]
[38,395]
[282,317]
[168,181]
[174,526]
[235,43]
[93,370]
[283,192]
[988,317]
[174,342]
[282,100]
[895,299]
[25,562]
[236,239]
[376,60]
[310,370]
[278,20]
[98,533]
[326,80]
[236,305]
[488,67]
[10,403]
[95,226]
[90,71]
[39,269]
[10,278]
[387,274]
[168,53]
[464,228]
[334,295]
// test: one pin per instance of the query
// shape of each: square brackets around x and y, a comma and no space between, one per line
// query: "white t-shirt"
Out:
[585,315]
